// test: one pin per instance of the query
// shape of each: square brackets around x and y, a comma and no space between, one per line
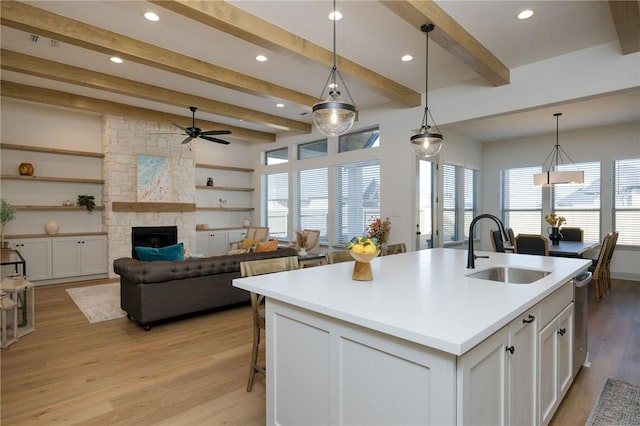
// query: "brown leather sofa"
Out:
[154,291]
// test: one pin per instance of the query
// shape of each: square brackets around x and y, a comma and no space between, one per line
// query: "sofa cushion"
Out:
[248,243]
[266,246]
[169,253]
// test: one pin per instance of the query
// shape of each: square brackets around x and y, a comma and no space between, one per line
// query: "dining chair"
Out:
[390,249]
[598,268]
[260,267]
[532,244]
[496,241]
[572,233]
[609,256]
[339,256]
[512,236]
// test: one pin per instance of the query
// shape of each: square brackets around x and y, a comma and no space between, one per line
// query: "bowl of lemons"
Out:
[363,249]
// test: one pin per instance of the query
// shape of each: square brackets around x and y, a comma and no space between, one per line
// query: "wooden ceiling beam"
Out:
[452,37]
[626,18]
[68,100]
[31,65]
[235,21]
[38,21]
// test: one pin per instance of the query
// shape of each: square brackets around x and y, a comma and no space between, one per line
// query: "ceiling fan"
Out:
[195,132]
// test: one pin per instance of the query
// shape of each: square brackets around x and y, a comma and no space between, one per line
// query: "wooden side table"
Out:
[21,292]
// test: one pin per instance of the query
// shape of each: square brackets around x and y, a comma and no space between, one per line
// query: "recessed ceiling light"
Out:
[261,58]
[116,60]
[335,16]
[525,14]
[280,105]
[407,58]
[150,16]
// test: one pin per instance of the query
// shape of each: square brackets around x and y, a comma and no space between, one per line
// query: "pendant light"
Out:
[333,116]
[553,176]
[428,141]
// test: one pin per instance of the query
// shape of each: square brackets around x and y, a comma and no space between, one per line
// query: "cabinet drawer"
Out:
[553,304]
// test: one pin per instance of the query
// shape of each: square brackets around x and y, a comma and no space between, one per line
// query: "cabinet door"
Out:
[484,382]
[94,255]
[522,369]
[37,256]
[202,243]
[219,243]
[565,352]
[67,259]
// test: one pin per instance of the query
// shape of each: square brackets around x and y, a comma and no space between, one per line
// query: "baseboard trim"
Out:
[624,276]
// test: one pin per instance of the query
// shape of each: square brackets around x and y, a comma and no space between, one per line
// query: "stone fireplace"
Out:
[123,139]
[152,236]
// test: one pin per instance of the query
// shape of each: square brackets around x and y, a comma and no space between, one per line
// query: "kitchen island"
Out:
[422,343]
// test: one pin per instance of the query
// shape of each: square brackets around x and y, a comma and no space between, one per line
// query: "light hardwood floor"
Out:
[194,371]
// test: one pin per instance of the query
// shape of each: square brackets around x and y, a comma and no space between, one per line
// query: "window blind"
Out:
[450,190]
[277,204]
[521,200]
[626,201]
[470,199]
[580,203]
[357,198]
[312,200]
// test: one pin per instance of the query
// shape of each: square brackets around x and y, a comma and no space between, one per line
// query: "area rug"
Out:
[618,404]
[98,302]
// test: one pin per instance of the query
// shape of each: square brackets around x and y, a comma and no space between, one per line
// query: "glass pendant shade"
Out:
[426,144]
[334,117]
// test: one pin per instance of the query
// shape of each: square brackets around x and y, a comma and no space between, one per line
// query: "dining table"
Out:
[564,248]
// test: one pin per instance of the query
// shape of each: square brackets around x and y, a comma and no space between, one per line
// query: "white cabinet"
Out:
[82,255]
[212,243]
[497,380]
[556,340]
[37,255]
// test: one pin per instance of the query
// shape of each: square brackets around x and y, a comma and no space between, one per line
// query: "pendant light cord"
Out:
[334,36]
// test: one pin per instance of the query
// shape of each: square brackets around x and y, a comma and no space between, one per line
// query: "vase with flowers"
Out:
[554,230]
[380,230]
[301,243]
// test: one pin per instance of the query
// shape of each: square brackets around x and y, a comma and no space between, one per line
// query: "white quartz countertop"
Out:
[422,296]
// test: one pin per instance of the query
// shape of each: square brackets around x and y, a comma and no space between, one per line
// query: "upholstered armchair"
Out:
[254,235]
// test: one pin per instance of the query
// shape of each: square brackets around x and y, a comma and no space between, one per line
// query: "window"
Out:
[459,201]
[312,149]
[626,201]
[313,201]
[363,139]
[277,156]
[358,198]
[277,204]
[521,201]
[580,203]
[425,213]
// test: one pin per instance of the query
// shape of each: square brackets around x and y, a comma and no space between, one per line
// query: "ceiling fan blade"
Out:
[179,126]
[216,132]
[187,140]
[209,138]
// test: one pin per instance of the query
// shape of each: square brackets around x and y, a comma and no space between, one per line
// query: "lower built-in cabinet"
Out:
[499,376]
[216,242]
[82,255]
[37,255]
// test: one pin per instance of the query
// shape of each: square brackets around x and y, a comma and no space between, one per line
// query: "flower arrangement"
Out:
[380,230]
[554,220]
[363,245]
[7,214]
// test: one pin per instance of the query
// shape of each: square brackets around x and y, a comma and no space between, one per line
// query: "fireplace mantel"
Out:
[147,207]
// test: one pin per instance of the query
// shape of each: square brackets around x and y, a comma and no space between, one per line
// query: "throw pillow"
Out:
[247,243]
[169,253]
[267,246]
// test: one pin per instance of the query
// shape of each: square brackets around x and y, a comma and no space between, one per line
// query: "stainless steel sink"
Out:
[510,275]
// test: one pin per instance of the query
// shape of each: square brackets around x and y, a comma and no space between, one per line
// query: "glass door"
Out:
[426,205]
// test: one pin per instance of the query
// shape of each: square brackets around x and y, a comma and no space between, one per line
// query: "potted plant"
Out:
[87,201]
[7,214]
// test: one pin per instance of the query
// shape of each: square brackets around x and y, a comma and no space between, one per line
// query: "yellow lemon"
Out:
[358,248]
[370,249]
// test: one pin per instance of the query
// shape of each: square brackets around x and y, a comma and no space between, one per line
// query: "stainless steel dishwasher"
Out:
[580,315]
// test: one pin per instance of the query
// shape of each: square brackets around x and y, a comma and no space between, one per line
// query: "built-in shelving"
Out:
[226,209]
[53,179]
[225,188]
[42,208]
[51,150]
[65,234]
[227,168]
